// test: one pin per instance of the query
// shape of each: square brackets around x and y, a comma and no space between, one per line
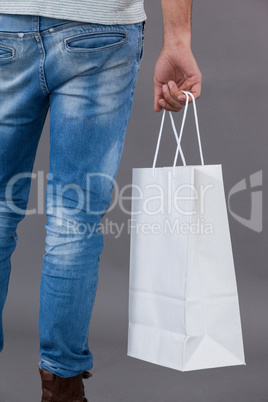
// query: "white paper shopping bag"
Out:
[183,301]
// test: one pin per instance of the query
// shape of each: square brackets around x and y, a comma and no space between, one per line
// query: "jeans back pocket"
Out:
[6,52]
[95,41]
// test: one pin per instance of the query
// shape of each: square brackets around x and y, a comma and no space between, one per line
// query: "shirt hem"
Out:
[69,15]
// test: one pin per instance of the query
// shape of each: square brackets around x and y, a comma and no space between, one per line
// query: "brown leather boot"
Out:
[60,389]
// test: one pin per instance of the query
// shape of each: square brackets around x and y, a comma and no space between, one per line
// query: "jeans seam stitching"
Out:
[44,87]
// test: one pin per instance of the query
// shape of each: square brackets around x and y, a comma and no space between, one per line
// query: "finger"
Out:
[157,96]
[183,94]
[165,105]
[170,99]
[183,100]
[196,90]
[184,86]
[157,106]
[176,94]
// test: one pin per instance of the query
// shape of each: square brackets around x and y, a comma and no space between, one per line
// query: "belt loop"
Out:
[35,23]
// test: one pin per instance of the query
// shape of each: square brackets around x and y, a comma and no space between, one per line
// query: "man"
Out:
[82,64]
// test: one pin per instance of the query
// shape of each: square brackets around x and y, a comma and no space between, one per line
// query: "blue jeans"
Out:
[85,75]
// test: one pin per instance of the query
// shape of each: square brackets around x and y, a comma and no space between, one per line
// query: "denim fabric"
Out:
[85,75]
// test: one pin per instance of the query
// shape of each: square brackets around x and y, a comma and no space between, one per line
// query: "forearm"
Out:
[177,21]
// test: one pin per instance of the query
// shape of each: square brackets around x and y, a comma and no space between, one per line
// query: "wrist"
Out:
[175,38]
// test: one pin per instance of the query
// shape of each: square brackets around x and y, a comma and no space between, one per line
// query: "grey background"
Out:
[230,44]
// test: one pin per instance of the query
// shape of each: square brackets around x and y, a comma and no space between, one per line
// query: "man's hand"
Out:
[175,69]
